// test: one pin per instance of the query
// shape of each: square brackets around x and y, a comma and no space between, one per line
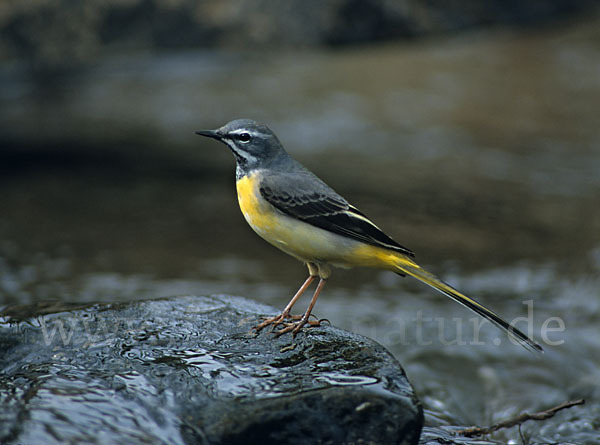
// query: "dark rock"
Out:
[189,370]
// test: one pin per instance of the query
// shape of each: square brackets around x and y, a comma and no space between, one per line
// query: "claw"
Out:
[271,320]
[276,320]
[296,326]
[288,327]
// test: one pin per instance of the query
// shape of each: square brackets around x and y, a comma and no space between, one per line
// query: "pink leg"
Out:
[297,326]
[286,312]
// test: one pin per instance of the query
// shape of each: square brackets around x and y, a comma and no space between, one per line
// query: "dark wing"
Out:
[309,199]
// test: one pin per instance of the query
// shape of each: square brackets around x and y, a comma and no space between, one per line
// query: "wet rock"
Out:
[189,370]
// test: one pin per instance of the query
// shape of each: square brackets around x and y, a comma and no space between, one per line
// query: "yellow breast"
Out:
[258,212]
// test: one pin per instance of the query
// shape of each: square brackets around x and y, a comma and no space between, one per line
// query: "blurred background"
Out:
[469,131]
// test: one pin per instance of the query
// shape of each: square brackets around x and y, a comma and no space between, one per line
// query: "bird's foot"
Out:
[276,320]
[270,321]
[279,319]
[296,326]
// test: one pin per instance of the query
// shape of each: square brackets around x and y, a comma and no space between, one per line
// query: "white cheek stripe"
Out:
[247,156]
[242,154]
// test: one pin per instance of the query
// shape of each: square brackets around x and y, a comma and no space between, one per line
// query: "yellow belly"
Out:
[302,240]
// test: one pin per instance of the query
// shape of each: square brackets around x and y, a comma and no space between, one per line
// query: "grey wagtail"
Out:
[295,211]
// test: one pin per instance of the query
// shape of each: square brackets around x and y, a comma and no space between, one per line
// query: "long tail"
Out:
[431,280]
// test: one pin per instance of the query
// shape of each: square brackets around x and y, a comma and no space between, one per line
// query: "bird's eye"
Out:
[244,137]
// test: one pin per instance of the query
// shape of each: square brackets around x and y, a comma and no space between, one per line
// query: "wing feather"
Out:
[317,204]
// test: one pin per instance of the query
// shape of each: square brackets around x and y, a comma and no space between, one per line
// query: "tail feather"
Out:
[428,278]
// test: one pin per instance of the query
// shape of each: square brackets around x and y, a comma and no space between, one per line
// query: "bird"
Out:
[295,211]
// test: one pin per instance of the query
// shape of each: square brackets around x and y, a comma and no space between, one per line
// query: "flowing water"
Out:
[479,152]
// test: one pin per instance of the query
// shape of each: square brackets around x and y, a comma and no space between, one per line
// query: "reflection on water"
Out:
[481,154]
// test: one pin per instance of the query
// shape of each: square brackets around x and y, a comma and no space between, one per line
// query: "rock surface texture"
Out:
[189,370]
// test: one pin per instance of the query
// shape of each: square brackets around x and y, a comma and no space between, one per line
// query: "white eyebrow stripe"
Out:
[243,130]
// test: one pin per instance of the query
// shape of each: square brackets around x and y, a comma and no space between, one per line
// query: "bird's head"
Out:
[253,144]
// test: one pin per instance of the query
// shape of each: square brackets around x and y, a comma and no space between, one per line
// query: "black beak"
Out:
[214,134]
